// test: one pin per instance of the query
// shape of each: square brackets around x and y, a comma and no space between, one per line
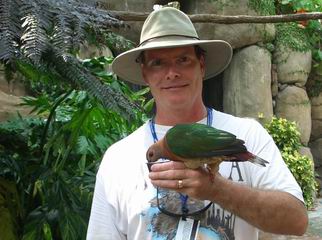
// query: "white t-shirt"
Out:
[124,198]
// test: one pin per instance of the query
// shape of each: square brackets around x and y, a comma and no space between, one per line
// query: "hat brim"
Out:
[218,56]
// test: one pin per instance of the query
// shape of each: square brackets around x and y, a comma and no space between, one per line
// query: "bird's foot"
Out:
[211,173]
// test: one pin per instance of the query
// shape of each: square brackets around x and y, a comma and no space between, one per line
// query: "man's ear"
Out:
[202,65]
[143,74]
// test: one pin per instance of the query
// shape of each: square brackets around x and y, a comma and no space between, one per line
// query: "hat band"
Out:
[167,38]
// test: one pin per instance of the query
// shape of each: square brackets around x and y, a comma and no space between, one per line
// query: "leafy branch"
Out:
[48,33]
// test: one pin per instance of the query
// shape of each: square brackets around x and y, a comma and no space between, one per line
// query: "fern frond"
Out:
[62,34]
[32,27]
[10,30]
[34,38]
[79,31]
[109,97]
[50,31]
[74,20]
[101,19]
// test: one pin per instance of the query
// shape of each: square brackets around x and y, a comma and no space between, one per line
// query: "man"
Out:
[132,203]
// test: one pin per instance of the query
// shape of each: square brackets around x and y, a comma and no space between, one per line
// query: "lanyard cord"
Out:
[183,198]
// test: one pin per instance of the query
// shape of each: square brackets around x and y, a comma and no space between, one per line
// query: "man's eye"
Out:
[183,59]
[155,63]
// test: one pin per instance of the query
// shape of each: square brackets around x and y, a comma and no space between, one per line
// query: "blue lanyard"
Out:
[183,198]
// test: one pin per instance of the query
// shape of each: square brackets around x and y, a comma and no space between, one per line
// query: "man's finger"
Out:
[169,165]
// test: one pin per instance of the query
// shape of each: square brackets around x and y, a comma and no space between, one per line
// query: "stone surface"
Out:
[238,35]
[316,149]
[317,107]
[318,173]
[314,78]
[316,129]
[134,27]
[247,84]
[15,87]
[9,107]
[89,51]
[274,81]
[10,93]
[316,102]
[293,104]
[306,152]
[292,67]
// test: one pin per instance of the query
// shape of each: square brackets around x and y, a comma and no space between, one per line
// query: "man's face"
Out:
[174,76]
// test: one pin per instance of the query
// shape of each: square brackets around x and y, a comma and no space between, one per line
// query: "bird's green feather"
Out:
[198,140]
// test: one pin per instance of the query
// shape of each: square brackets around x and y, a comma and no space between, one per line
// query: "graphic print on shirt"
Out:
[215,223]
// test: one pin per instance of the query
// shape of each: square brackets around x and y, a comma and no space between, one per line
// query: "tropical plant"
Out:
[48,163]
[287,138]
[304,36]
[312,28]
[46,34]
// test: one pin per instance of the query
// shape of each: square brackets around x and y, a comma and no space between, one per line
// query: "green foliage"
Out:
[290,35]
[284,133]
[264,7]
[302,35]
[40,38]
[314,89]
[289,6]
[303,171]
[52,160]
[9,208]
[31,28]
[312,28]
[287,138]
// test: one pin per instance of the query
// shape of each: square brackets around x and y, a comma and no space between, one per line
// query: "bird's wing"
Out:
[199,140]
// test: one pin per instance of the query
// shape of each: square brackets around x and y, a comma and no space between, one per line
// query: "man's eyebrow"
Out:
[186,52]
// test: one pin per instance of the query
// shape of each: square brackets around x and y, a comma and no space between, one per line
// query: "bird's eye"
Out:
[150,154]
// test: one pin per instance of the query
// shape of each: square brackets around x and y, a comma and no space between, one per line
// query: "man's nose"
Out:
[173,72]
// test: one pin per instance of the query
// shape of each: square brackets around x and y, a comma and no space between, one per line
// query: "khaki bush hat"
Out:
[169,28]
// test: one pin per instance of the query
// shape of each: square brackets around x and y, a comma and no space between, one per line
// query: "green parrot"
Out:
[198,144]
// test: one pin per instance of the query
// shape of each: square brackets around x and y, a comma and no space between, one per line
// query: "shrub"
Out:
[302,169]
[287,138]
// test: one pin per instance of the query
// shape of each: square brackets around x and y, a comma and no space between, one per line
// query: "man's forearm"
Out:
[271,211]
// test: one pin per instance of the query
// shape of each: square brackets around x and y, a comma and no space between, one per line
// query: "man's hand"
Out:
[195,183]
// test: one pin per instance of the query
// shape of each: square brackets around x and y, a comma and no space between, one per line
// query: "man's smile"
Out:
[175,87]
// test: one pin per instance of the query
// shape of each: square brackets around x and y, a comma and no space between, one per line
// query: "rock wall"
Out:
[10,93]
[247,83]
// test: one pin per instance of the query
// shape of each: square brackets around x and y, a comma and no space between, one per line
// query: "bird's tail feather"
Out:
[258,161]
